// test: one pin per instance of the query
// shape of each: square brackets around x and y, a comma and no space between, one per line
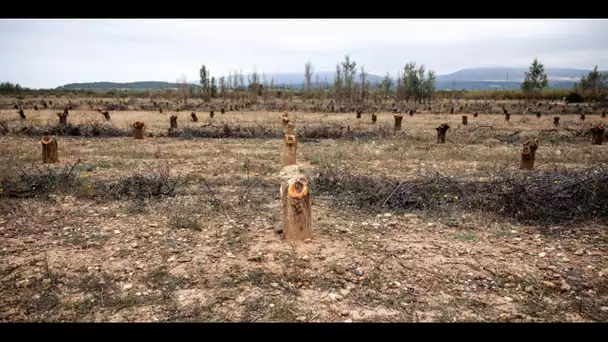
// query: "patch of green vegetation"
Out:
[466,237]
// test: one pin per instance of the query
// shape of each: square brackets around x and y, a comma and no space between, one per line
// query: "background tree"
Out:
[386,85]
[338,83]
[595,82]
[536,79]
[363,77]
[204,75]
[349,68]
[222,82]
[213,87]
[229,80]
[308,76]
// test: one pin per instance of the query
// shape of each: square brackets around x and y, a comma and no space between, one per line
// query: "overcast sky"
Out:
[50,53]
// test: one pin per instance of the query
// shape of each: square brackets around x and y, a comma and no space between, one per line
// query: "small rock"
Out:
[22,283]
[565,286]
[153,225]
[508,299]
[256,258]
[307,241]
[117,231]
[301,318]
[127,286]
[171,259]
[604,308]
[358,272]
[230,255]
[348,321]
[529,288]
[134,245]
[343,230]
[138,294]
[271,305]
[345,313]
[344,292]
[306,258]
[184,259]
[404,304]
[579,252]
[275,285]
[542,254]
[548,284]
[240,300]
[334,297]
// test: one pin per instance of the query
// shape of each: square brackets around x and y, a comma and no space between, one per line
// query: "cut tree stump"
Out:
[173,121]
[556,121]
[106,115]
[398,120]
[194,117]
[63,117]
[441,132]
[582,117]
[359,112]
[465,120]
[139,129]
[289,149]
[295,198]
[507,117]
[597,134]
[21,114]
[49,150]
[374,118]
[528,154]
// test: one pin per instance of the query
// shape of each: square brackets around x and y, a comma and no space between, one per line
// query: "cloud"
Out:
[49,53]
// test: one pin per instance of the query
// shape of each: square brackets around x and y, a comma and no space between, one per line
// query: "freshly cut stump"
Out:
[528,154]
[398,120]
[49,150]
[295,198]
[597,134]
[173,121]
[465,120]
[289,150]
[441,132]
[139,129]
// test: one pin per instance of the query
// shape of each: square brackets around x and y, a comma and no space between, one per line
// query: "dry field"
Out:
[185,229]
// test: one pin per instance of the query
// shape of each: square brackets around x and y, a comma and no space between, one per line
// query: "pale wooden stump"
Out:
[597,134]
[398,120]
[528,154]
[139,129]
[295,198]
[289,149]
[49,150]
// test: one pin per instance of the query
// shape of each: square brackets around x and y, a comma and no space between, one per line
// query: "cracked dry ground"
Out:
[78,259]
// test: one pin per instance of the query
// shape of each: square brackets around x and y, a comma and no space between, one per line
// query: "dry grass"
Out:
[210,252]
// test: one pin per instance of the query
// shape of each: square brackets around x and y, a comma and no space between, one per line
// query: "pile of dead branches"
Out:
[531,197]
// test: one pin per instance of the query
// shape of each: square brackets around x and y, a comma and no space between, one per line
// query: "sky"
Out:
[49,53]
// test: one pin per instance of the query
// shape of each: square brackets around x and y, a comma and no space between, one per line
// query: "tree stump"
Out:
[160,110]
[297,220]
[139,128]
[465,120]
[538,114]
[475,115]
[173,121]
[597,134]
[63,117]
[194,117]
[49,150]
[582,117]
[35,108]
[289,150]
[289,128]
[21,114]
[452,110]
[507,117]
[374,118]
[528,154]
[411,112]
[556,121]
[604,113]
[441,132]
[222,111]
[211,113]
[398,120]
[359,113]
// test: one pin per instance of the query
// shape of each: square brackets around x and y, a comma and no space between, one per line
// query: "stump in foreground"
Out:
[539,114]
[289,149]
[465,120]
[597,134]
[398,120]
[21,114]
[173,121]
[441,132]
[582,117]
[49,150]
[359,112]
[211,113]
[528,154]
[374,118]
[222,111]
[295,198]
[411,112]
[507,117]
[194,117]
[139,128]
[556,121]
[475,115]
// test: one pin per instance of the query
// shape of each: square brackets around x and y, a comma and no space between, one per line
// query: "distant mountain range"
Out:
[487,78]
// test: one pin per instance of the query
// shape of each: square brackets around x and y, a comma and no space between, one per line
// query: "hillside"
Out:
[102,86]
[487,78]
